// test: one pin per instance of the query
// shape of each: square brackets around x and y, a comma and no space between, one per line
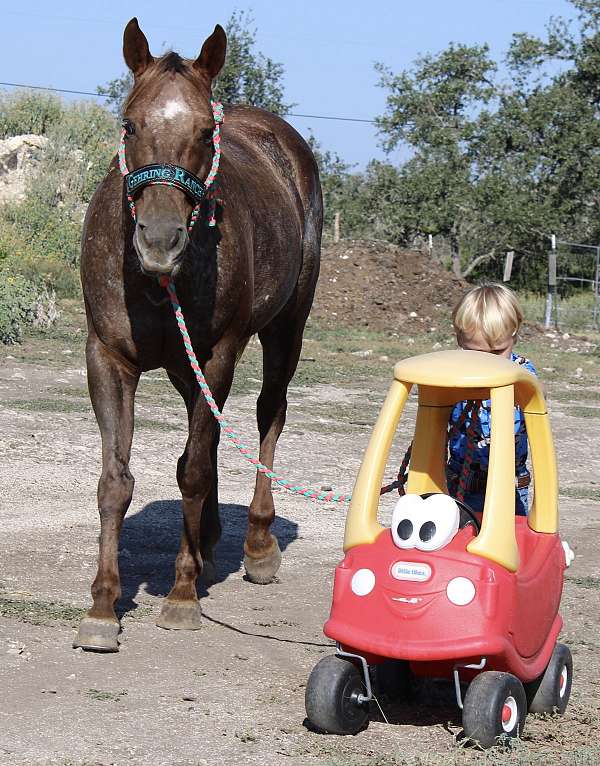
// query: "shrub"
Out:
[21,304]
[28,112]
[40,237]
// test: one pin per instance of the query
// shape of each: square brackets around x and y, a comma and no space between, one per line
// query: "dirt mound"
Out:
[384,287]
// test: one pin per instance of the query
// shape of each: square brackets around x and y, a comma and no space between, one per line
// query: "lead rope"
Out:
[246,452]
[226,428]
[472,408]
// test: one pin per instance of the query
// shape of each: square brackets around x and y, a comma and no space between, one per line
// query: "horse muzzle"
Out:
[160,245]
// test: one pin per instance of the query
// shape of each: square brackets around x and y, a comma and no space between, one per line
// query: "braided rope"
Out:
[312,494]
[226,428]
[218,116]
[472,409]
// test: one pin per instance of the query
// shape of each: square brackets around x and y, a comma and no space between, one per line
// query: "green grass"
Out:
[581,493]
[575,313]
[570,395]
[105,696]
[583,412]
[585,582]
[48,405]
[40,612]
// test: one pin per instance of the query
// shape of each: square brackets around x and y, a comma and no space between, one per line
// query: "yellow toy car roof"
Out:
[458,370]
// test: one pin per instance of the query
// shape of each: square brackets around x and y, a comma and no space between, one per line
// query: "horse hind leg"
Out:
[282,343]
[210,523]
[196,476]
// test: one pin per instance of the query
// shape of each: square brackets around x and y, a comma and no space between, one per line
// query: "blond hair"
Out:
[491,309]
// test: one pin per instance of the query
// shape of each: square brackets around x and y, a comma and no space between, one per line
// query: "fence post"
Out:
[510,254]
[550,295]
[336,226]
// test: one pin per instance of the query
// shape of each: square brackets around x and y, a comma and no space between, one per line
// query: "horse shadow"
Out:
[150,541]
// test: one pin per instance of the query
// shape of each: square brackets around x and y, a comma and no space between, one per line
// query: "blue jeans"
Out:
[475,500]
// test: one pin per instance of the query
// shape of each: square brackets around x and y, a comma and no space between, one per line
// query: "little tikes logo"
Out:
[409,570]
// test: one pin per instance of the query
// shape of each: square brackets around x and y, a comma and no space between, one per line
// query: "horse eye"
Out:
[128,126]
[206,136]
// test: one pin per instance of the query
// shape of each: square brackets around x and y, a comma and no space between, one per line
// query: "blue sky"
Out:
[328,48]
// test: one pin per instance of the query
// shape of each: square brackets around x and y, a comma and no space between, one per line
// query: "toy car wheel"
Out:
[333,697]
[393,679]
[551,691]
[495,707]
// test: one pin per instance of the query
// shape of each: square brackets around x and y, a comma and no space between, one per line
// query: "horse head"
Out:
[168,125]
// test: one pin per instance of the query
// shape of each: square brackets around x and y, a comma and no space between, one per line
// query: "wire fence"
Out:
[577,298]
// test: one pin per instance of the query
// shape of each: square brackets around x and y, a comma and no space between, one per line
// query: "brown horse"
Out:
[255,272]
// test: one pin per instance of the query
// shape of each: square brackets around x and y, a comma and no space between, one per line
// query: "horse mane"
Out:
[169,64]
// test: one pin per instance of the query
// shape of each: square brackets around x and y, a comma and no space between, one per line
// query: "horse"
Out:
[254,272]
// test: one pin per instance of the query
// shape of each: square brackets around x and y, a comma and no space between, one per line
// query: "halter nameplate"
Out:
[166,175]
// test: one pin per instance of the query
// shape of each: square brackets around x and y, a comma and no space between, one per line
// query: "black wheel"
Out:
[551,691]
[393,679]
[495,707]
[332,697]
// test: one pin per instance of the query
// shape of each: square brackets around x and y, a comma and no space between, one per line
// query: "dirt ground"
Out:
[233,692]
[397,287]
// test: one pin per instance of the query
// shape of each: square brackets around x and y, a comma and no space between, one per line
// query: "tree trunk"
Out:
[455,252]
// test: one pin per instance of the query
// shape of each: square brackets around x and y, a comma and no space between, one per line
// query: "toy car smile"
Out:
[445,591]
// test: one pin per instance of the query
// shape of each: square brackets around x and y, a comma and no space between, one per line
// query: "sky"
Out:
[328,48]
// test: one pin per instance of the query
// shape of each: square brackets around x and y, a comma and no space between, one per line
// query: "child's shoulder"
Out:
[524,362]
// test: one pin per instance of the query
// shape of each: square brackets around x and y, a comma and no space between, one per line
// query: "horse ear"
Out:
[212,55]
[135,48]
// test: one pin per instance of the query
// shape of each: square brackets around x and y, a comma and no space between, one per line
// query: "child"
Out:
[487,318]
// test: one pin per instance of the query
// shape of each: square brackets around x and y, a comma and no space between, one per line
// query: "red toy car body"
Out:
[446,591]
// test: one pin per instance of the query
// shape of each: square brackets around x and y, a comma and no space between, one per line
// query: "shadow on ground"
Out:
[150,541]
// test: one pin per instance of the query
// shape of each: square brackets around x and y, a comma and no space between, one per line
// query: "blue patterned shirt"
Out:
[458,438]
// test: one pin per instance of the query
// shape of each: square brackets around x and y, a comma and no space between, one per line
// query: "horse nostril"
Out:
[176,237]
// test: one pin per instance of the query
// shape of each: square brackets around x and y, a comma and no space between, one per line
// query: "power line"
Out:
[106,95]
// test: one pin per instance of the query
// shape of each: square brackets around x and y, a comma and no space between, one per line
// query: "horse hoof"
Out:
[97,635]
[262,570]
[180,615]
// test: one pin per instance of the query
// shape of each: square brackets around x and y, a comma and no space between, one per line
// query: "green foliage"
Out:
[40,236]
[492,165]
[249,77]
[22,304]
[28,112]
[116,92]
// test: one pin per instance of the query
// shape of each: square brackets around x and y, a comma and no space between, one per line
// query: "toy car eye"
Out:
[405,529]
[425,523]
[440,520]
[427,531]
[407,520]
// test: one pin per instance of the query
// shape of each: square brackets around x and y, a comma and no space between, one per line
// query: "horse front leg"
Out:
[196,476]
[112,390]
[282,344]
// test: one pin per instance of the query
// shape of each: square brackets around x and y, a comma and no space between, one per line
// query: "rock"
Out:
[413,314]
[362,354]
[18,155]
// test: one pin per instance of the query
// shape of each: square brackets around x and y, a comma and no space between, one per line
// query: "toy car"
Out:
[447,592]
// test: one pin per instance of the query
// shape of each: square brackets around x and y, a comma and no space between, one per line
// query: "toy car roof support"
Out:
[444,378]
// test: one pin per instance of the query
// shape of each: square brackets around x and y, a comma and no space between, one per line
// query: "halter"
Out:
[165,174]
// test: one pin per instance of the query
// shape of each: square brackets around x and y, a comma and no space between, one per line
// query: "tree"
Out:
[248,77]
[434,109]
